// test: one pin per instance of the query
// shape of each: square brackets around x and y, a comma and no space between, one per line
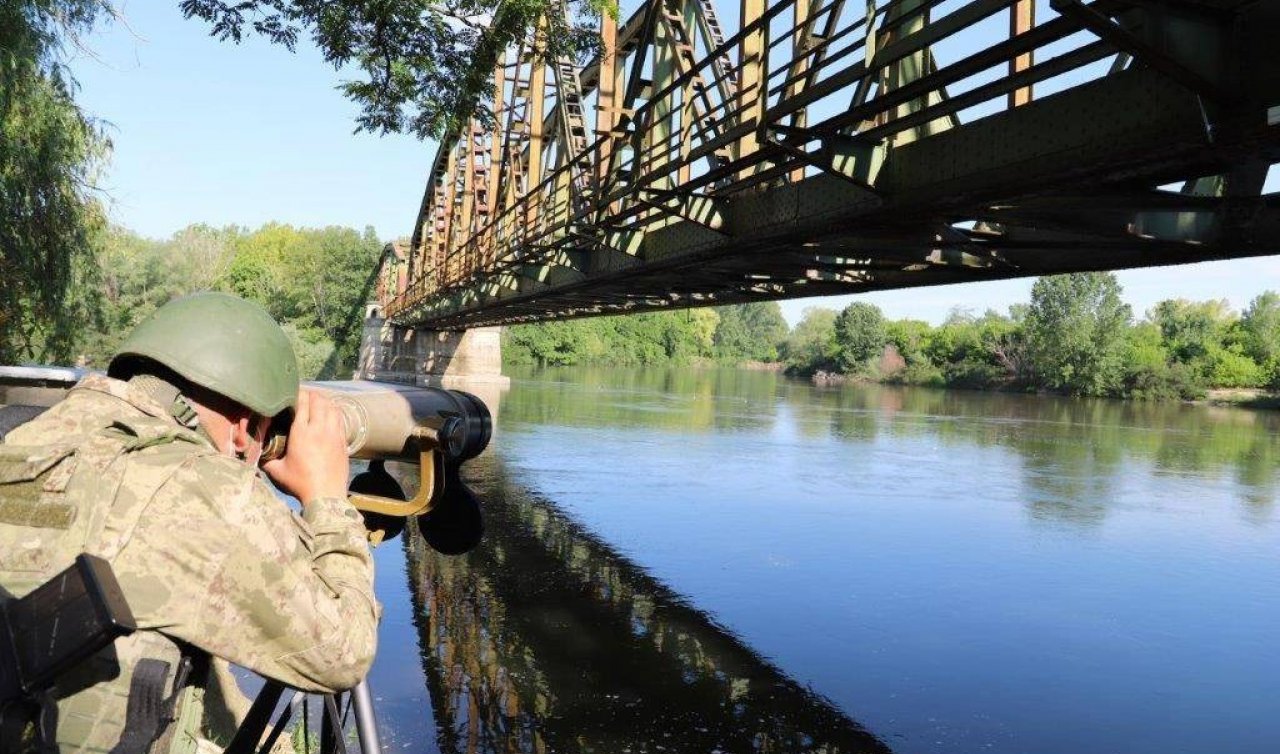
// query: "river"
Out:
[731,561]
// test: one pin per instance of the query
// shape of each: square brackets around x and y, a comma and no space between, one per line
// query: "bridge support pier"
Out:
[465,360]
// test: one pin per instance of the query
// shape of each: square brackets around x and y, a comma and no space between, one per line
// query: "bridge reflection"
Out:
[546,639]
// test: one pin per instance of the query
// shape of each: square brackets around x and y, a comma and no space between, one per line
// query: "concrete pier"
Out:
[468,360]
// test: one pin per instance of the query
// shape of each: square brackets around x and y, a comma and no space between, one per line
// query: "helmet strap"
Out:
[168,396]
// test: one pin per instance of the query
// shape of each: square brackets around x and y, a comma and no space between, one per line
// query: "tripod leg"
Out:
[366,723]
[255,723]
[331,739]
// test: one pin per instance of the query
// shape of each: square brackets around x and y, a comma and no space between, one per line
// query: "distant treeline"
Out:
[315,282]
[729,334]
[1075,336]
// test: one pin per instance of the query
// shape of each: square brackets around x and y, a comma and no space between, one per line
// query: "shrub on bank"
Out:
[1162,382]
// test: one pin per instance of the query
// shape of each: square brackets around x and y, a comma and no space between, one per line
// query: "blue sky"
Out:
[205,131]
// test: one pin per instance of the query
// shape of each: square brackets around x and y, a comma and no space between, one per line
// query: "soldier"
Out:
[154,468]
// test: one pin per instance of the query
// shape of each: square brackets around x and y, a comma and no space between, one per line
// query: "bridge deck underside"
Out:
[1132,169]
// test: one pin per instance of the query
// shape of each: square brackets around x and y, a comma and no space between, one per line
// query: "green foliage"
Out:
[749,332]
[974,352]
[1213,344]
[426,65]
[1192,330]
[1075,331]
[859,337]
[811,345]
[312,349]
[677,337]
[50,152]
[1074,337]
[1260,330]
[1230,368]
[315,282]
[1144,348]
[909,337]
[1163,381]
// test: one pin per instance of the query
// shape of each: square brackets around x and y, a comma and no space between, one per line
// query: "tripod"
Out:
[249,738]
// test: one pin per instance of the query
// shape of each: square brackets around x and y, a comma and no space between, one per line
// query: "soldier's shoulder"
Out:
[79,414]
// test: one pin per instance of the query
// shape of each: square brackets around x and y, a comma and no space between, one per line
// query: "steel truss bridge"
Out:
[823,146]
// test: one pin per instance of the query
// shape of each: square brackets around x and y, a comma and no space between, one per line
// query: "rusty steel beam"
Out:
[813,150]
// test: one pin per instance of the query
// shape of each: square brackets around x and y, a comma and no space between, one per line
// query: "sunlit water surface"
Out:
[722,560]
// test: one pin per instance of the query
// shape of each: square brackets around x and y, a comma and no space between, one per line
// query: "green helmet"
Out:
[219,342]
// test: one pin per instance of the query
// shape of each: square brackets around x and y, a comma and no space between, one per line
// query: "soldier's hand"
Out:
[315,461]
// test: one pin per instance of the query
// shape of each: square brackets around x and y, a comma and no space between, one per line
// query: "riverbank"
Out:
[1250,398]
[1242,398]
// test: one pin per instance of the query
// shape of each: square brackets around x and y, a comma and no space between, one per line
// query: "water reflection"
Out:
[1072,452]
[546,639]
[678,400]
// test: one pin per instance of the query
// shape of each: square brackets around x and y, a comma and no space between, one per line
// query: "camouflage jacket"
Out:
[205,552]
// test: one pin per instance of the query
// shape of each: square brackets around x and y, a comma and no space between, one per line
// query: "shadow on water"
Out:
[546,639]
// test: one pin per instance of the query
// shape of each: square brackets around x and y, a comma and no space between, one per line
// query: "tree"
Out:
[859,337]
[1148,373]
[1075,329]
[1260,327]
[315,282]
[1191,329]
[427,64]
[750,332]
[51,222]
[1209,340]
[811,345]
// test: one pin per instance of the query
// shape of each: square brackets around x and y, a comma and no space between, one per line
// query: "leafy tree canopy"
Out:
[750,332]
[314,281]
[50,153]
[1076,331]
[860,336]
[1191,328]
[427,65]
[1261,329]
[811,345]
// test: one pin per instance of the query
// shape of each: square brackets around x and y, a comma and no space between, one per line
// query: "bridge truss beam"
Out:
[818,150]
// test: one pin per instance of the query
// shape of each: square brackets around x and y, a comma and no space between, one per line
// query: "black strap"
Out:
[47,722]
[147,708]
[29,724]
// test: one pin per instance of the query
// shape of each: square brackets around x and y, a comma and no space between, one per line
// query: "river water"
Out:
[730,561]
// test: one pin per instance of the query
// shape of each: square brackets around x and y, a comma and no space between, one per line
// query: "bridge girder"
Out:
[815,152]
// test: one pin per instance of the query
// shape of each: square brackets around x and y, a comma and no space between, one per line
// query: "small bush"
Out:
[1230,369]
[975,375]
[1164,382]
[919,373]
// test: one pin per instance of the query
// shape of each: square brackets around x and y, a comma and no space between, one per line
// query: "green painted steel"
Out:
[879,150]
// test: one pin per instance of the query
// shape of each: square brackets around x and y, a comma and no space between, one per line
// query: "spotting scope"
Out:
[435,428]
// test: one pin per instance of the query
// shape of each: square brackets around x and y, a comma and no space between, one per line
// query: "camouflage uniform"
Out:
[207,556]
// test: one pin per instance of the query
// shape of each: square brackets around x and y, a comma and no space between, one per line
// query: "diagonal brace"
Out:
[1123,39]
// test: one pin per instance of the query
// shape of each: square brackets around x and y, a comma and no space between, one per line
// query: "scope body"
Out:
[387,421]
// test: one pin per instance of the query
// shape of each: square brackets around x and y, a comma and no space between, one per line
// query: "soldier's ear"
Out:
[242,434]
